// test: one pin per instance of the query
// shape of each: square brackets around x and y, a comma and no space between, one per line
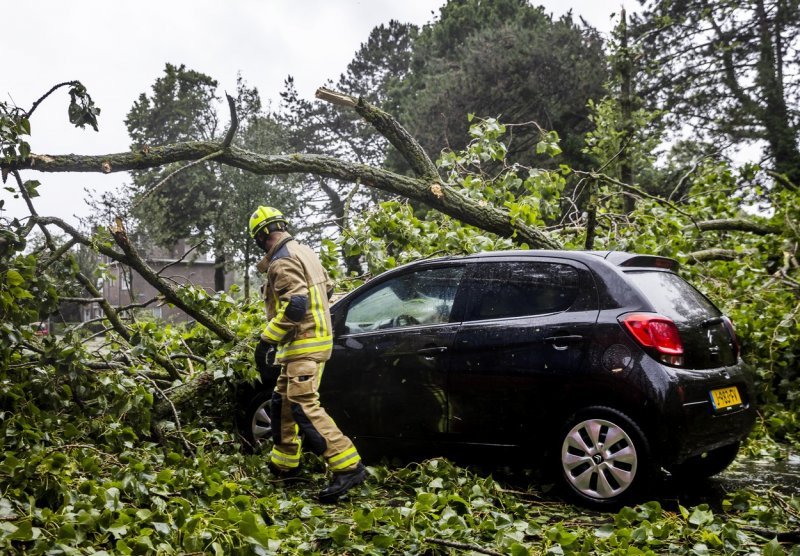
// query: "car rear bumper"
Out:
[698,426]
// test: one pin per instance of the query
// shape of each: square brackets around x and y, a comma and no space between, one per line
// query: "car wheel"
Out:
[256,423]
[705,465]
[605,457]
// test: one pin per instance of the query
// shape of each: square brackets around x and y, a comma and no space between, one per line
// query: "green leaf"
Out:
[383,541]
[24,532]
[519,550]
[701,516]
[340,535]
[772,548]
[604,531]
[14,278]
[31,187]
[161,527]
[118,530]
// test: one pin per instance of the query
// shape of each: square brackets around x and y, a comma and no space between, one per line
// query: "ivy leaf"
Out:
[118,530]
[161,527]
[340,535]
[604,531]
[772,548]
[519,550]
[701,516]
[383,541]
[24,532]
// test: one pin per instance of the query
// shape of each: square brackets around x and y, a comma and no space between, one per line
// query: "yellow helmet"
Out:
[264,217]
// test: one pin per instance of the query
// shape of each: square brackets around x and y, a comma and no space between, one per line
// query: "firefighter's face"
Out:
[266,240]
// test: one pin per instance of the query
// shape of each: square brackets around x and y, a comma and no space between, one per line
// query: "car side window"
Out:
[417,298]
[517,289]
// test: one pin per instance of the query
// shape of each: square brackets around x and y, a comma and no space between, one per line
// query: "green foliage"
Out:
[82,110]
[394,232]
[737,80]
[15,123]
[182,107]
[14,128]
[95,460]
[506,59]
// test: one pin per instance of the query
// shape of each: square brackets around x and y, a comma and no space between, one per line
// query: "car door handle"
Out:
[562,342]
[431,351]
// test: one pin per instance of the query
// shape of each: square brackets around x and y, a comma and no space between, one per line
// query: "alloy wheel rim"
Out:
[599,459]
[261,424]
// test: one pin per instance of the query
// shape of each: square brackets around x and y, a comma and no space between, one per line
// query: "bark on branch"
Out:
[130,257]
[706,255]
[390,128]
[439,196]
[734,225]
[169,293]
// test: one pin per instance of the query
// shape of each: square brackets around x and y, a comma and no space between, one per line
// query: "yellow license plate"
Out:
[726,397]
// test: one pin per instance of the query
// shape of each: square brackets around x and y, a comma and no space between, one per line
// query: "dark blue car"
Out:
[606,365]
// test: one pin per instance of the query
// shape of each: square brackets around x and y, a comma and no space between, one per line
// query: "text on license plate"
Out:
[726,397]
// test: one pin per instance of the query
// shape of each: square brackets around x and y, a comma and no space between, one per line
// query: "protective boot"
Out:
[341,483]
[283,474]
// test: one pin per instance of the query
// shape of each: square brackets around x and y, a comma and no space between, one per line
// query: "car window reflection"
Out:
[523,289]
[419,298]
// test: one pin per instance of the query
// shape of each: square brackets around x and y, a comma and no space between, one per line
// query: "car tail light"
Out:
[732,331]
[658,332]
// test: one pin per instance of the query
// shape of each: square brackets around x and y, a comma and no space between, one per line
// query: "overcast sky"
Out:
[117,49]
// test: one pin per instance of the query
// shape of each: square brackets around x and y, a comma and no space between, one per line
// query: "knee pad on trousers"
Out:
[275,406]
[313,439]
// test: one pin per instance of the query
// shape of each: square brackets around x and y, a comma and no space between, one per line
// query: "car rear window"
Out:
[674,297]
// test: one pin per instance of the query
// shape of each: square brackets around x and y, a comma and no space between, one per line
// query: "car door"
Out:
[526,333]
[387,374]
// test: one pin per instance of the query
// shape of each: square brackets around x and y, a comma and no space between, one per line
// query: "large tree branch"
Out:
[130,257]
[169,293]
[439,196]
[390,128]
[734,225]
[716,254]
[88,285]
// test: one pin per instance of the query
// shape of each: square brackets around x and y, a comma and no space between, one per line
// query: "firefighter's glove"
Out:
[264,355]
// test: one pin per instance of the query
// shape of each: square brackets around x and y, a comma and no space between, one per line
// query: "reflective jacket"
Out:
[296,297]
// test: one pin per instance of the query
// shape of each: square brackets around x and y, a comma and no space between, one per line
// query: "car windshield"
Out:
[673,297]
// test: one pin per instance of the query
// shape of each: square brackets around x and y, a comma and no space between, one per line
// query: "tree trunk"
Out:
[779,133]
[247,269]
[352,264]
[219,271]
[626,107]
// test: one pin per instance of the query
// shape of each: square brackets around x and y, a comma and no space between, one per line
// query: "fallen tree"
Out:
[425,187]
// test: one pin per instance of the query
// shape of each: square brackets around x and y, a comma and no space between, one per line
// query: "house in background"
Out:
[124,286]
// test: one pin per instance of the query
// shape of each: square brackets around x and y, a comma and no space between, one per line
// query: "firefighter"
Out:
[296,295]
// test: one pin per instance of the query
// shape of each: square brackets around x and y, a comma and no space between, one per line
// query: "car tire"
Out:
[604,457]
[706,465]
[255,421]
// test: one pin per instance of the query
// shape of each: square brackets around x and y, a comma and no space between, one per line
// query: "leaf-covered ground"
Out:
[68,497]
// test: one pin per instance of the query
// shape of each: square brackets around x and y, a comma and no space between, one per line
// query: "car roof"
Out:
[605,264]
[590,258]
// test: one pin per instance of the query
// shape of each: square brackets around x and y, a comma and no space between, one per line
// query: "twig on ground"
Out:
[464,546]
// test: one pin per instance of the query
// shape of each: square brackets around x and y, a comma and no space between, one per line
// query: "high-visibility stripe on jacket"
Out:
[296,300]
